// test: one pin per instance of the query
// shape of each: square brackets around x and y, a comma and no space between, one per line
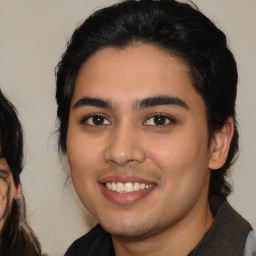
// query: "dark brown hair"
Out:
[16,236]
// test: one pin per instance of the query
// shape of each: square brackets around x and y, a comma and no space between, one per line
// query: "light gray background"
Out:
[33,35]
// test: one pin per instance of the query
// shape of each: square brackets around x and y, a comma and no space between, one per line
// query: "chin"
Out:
[131,231]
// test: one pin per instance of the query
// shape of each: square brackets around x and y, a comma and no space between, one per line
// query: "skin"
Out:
[6,182]
[129,144]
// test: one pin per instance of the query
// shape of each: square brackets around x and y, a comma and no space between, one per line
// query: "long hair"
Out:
[16,236]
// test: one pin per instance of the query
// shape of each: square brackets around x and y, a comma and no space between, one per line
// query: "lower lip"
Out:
[125,198]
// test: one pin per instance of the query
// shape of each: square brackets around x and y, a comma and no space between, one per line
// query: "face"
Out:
[7,188]
[137,141]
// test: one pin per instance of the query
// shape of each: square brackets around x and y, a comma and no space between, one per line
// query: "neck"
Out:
[177,240]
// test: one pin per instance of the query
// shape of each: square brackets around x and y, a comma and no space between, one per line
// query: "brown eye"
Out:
[158,120]
[97,120]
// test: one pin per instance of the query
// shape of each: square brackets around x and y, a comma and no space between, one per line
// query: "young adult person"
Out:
[146,96]
[16,236]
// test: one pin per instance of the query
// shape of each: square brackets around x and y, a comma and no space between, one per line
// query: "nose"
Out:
[125,146]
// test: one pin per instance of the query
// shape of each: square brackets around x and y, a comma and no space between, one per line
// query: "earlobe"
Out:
[18,191]
[220,145]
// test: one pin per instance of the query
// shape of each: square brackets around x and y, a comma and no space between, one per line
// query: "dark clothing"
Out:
[226,237]
[96,242]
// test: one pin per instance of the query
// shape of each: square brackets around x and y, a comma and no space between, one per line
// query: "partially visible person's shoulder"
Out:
[250,246]
[94,243]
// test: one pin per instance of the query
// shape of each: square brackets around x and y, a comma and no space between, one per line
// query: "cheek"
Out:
[81,149]
[184,170]
[181,155]
[80,156]
[175,153]
[3,189]
[3,197]
[81,160]
[84,156]
[6,190]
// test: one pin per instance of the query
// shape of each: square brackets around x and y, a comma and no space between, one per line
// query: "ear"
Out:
[18,190]
[220,145]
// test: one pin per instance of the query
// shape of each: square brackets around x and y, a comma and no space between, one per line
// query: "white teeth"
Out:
[127,187]
[136,186]
[113,186]
[109,186]
[120,187]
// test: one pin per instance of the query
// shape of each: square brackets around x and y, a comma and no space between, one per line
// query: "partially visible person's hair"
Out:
[16,236]
[179,29]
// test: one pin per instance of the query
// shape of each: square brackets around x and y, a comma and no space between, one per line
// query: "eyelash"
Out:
[105,119]
[160,115]
[85,120]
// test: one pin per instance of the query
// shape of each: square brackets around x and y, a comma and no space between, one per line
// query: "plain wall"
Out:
[33,35]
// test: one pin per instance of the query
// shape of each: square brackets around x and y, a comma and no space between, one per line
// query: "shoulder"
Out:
[227,235]
[250,246]
[91,242]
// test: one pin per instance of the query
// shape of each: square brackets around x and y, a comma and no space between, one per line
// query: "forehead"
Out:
[132,73]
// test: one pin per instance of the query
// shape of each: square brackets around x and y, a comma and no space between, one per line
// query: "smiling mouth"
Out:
[127,187]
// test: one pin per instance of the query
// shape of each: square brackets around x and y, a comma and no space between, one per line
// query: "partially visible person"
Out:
[16,236]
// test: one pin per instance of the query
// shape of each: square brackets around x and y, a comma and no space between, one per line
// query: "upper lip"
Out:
[124,179]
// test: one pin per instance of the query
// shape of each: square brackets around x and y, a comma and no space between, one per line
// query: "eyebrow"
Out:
[140,104]
[161,100]
[96,102]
